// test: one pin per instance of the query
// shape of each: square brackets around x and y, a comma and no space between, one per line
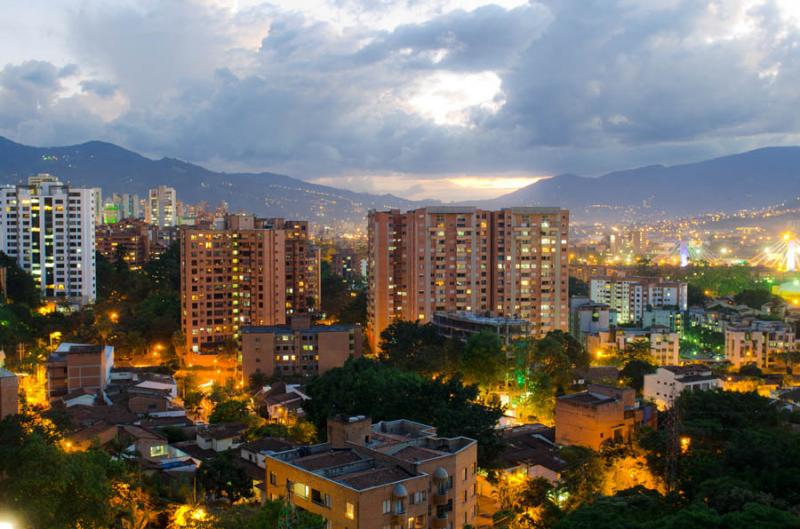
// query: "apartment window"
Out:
[349,510]
[273,479]
[464,474]
[300,490]
[387,506]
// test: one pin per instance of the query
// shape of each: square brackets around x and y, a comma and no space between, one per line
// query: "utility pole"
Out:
[672,428]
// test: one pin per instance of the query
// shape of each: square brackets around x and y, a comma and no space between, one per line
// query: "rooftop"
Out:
[473,317]
[286,329]
[587,399]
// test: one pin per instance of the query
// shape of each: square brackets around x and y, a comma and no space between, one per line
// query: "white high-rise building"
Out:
[49,228]
[129,205]
[162,207]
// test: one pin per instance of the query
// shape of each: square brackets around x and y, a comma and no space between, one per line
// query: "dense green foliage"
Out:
[368,387]
[43,486]
[270,515]
[221,477]
[739,468]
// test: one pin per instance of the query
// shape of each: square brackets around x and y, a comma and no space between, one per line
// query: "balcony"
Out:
[439,522]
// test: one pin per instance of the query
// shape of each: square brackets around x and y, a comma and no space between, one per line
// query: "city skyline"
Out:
[440,99]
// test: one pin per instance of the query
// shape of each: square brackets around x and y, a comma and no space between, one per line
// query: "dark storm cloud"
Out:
[586,85]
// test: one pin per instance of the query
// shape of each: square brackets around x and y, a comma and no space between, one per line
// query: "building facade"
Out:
[162,207]
[462,325]
[395,474]
[600,415]
[130,239]
[49,228]
[631,296]
[75,367]
[761,343]
[668,382]
[298,349]
[303,282]
[9,393]
[236,277]
[510,263]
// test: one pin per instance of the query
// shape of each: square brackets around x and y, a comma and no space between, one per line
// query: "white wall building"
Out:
[162,207]
[668,382]
[762,343]
[631,296]
[49,228]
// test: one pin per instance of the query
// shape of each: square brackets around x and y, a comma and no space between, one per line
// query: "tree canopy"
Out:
[368,387]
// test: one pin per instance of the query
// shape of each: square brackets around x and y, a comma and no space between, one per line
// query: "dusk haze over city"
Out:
[400,264]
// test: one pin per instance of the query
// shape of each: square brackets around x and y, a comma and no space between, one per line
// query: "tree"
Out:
[637,350]
[369,387]
[221,476]
[230,410]
[750,370]
[754,298]
[634,372]
[557,354]
[258,380]
[409,345]
[48,487]
[272,514]
[20,286]
[483,361]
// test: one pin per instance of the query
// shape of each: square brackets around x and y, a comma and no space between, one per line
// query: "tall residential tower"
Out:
[511,262]
[49,228]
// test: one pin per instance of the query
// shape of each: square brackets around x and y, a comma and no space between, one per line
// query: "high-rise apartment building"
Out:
[303,281]
[162,207]
[232,278]
[631,296]
[510,263]
[129,205]
[49,228]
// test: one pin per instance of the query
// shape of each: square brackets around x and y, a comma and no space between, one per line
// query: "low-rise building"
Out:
[668,382]
[76,366]
[132,240]
[762,343]
[599,415]
[298,349]
[390,474]
[9,393]
[221,437]
[460,325]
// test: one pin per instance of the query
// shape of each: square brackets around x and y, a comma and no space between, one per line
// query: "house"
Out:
[220,437]
[256,451]
[600,415]
[668,382]
[280,401]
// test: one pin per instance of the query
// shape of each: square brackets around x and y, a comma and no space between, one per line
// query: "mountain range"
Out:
[118,170]
[752,179]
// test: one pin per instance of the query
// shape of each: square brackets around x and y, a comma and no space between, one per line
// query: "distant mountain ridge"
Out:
[761,177]
[118,170]
[757,178]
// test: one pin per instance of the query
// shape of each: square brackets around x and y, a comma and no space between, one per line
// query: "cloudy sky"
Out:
[424,98]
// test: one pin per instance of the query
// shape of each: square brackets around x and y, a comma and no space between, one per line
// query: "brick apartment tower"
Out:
[243,275]
[302,266]
[512,262]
